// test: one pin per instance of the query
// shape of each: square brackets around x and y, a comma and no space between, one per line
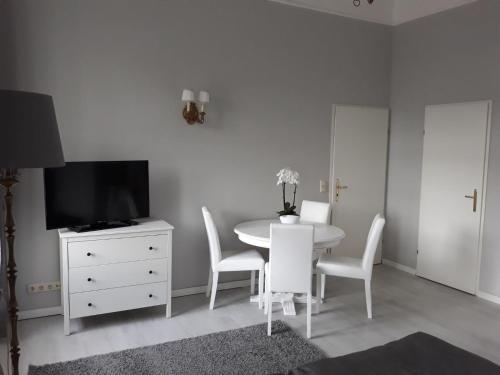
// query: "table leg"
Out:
[286,300]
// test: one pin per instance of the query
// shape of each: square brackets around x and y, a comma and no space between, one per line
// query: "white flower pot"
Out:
[289,219]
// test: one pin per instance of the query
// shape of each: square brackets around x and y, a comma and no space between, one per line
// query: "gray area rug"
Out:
[241,351]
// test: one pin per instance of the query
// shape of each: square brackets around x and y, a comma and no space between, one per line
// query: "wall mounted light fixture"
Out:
[357,3]
[190,112]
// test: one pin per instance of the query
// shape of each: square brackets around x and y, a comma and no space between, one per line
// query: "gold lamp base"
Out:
[192,115]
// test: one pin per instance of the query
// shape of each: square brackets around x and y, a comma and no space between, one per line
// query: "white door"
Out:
[359,163]
[451,199]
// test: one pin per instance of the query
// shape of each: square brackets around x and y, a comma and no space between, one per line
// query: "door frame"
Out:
[331,193]
[489,102]
[332,158]
[485,188]
[331,186]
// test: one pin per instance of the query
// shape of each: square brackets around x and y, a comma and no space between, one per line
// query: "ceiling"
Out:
[389,12]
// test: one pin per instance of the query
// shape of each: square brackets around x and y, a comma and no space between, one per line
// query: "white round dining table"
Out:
[258,233]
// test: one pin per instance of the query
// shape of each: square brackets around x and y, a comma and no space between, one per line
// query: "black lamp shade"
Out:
[29,136]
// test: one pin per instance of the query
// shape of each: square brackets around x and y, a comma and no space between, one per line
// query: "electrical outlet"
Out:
[323,186]
[44,287]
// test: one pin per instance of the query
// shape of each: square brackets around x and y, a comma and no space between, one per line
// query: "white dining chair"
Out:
[290,265]
[355,268]
[323,277]
[247,260]
[315,212]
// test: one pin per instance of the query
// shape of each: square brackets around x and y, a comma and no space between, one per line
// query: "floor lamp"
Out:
[29,138]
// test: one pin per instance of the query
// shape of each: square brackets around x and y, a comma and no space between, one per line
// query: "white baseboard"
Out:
[488,297]
[398,266]
[38,313]
[203,288]
[58,310]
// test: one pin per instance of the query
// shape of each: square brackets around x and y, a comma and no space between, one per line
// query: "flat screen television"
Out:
[96,194]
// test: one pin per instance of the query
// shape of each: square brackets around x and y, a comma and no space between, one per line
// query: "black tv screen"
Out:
[89,193]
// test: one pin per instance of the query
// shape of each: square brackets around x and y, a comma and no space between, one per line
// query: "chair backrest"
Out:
[372,242]
[213,237]
[315,212]
[377,216]
[290,257]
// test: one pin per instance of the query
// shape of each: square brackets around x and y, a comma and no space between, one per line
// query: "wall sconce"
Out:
[357,3]
[190,112]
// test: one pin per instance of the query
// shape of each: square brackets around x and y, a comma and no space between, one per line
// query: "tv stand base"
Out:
[120,261]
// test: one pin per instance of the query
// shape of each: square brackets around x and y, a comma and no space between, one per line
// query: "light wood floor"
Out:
[403,304]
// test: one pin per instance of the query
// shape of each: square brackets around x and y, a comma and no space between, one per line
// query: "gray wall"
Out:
[449,57]
[116,69]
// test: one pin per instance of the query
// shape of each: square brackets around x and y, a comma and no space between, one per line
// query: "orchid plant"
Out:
[287,176]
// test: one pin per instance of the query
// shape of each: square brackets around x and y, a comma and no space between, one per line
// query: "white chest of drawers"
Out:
[114,270]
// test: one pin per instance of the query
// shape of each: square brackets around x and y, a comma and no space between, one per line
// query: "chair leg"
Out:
[318,290]
[252,283]
[266,283]
[323,282]
[368,292]
[309,302]
[269,307]
[215,279]
[261,288]
[209,285]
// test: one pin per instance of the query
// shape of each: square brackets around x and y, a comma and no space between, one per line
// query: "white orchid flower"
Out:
[295,178]
[284,176]
[288,176]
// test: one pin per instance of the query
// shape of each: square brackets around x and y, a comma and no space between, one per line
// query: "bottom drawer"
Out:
[117,299]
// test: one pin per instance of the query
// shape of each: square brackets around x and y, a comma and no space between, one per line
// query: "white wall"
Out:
[116,69]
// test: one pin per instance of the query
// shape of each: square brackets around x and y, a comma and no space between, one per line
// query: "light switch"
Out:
[323,186]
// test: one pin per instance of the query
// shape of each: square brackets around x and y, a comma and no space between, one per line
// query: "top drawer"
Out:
[93,253]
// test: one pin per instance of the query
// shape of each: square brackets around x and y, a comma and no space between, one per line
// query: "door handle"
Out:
[338,187]
[474,200]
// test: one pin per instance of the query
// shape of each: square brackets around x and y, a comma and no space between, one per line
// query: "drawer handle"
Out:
[150,296]
[89,254]
[150,272]
[151,248]
[89,279]
[89,304]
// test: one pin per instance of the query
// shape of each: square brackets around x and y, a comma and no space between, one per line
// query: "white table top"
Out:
[257,233]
